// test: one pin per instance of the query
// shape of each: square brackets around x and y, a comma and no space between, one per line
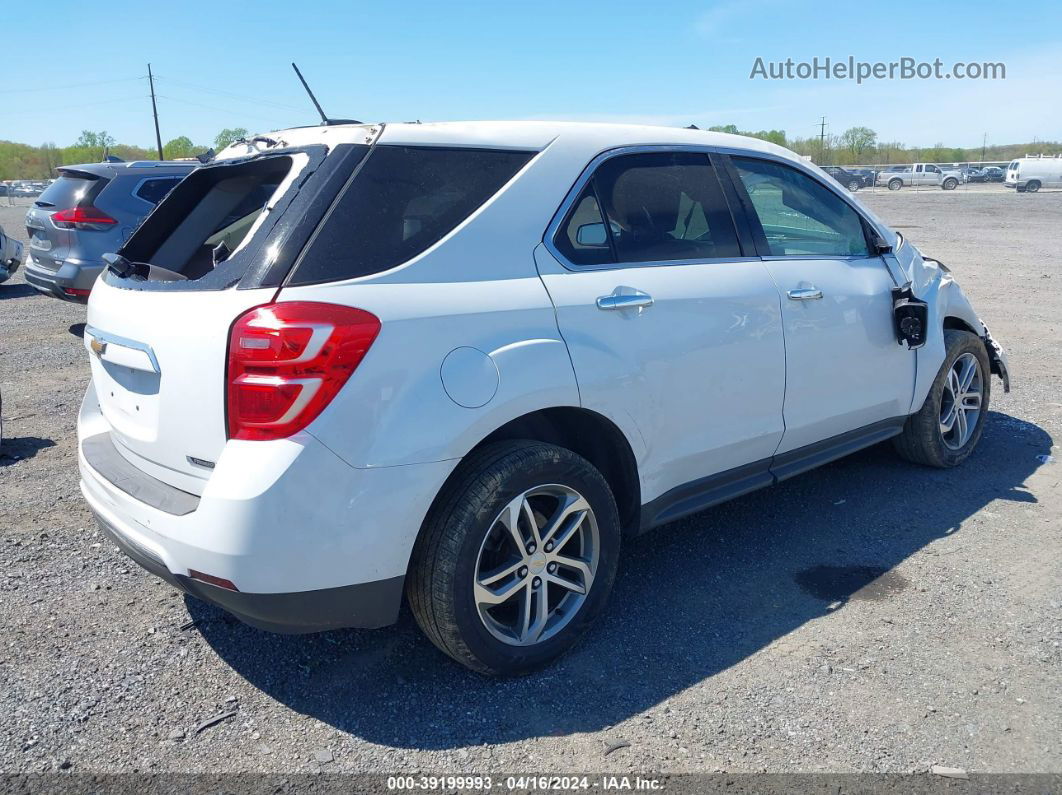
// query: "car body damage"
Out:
[932,281]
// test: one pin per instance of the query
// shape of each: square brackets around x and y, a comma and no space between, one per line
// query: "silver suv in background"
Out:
[87,212]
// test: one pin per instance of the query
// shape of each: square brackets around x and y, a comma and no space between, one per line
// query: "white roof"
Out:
[516,135]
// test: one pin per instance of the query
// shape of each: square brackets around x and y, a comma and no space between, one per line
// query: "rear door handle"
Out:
[805,294]
[635,301]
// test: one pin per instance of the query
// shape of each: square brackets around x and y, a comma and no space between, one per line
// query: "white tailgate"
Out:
[158,365]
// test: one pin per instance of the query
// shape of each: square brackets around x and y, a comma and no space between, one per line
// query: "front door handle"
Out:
[805,294]
[635,301]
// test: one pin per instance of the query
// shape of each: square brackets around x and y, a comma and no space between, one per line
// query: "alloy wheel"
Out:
[960,402]
[536,565]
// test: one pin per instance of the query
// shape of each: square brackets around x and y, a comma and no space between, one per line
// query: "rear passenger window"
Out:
[584,240]
[660,207]
[404,200]
[800,217]
[155,190]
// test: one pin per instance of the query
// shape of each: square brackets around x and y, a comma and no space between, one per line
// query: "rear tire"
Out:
[895,184]
[499,608]
[1032,186]
[924,439]
[854,185]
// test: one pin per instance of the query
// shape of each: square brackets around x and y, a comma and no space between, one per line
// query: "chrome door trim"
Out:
[624,301]
[588,171]
[804,294]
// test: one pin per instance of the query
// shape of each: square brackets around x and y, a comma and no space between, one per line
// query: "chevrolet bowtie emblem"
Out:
[98,348]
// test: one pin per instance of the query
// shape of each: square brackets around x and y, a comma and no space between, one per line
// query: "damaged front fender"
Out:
[931,281]
[998,357]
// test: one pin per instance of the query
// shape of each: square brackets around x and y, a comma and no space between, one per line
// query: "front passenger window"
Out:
[800,216]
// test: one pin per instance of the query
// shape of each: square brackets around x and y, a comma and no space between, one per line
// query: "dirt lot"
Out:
[752,637]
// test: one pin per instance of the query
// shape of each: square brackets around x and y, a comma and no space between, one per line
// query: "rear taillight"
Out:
[82,218]
[287,361]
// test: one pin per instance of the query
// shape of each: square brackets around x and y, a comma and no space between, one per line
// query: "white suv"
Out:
[462,362]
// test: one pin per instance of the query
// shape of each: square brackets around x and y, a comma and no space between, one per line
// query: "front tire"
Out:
[1032,186]
[950,184]
[854,185]
[517,557]
[948,426]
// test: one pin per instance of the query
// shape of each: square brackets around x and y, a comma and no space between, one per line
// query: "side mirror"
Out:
[591,235]
[880,246]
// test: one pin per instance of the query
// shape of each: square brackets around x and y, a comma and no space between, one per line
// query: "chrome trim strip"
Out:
[584,177]
[124,342]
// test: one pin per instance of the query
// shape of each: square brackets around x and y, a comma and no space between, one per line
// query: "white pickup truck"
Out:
[920,174]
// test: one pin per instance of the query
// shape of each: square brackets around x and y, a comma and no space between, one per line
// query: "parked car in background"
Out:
[460,363]
[10,256]
[866,174]
[847,178]
[25,190]
[986,174]
[1029,174]
[921,174]
[88,211]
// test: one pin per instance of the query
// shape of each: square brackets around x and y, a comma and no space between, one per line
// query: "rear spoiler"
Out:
[77,173]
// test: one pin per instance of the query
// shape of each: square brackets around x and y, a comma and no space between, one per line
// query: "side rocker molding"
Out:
[703,493]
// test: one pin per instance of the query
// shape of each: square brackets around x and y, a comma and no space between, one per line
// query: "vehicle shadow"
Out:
[78,330]
[19,448]
[16,291]
[691,600]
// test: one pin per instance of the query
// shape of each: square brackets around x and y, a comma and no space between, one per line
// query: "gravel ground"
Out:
[870,616]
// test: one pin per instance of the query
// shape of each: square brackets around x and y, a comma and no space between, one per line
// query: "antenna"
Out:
[313,99]
[324,119]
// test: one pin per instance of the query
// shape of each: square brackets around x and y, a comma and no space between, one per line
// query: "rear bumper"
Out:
[311,543]
[71,274]
[365,605]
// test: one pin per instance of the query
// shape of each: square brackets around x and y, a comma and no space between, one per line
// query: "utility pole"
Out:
[155,112]
[822,140]
[984,143]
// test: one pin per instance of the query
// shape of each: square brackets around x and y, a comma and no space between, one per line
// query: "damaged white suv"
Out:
[459,363]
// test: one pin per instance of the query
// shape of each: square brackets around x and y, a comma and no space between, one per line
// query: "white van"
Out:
[1032,173]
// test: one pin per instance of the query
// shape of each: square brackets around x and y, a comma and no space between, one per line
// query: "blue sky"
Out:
[223,64]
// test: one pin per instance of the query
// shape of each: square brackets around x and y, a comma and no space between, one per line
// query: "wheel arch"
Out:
[591,435]
[585,432]
[958,324]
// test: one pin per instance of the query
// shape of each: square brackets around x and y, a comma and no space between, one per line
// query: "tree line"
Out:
[855,146]
[860,146]
[23,161]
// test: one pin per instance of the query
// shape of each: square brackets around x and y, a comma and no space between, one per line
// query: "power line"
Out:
[68,86]
[230,94]
[94,103]
[230,111]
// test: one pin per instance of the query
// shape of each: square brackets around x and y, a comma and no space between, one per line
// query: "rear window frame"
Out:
[248,268]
